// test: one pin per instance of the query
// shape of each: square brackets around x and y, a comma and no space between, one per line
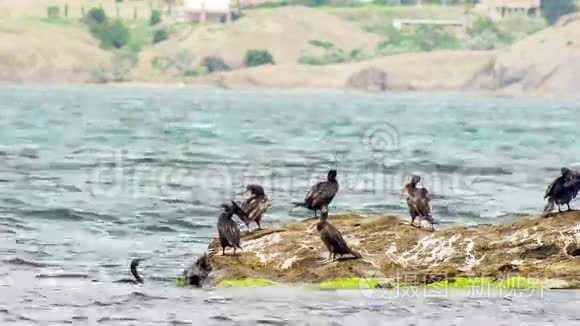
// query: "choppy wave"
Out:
[91,177]
[24,262]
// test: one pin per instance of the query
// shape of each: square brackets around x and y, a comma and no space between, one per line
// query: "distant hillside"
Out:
[434,71]
[37,49]
[547,63]
[38,8]
[32,50]
[285,32]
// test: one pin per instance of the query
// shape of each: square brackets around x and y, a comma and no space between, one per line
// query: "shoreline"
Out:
[268,89]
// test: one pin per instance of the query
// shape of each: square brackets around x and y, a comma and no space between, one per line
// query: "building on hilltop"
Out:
[499,9]
[208,11]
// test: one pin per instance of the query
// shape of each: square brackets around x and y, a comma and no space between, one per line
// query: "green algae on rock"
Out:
[353,283]
[246,283]
[180,281]
[535,248]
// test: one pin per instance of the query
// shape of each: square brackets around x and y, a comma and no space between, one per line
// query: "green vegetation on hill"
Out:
[256,57]
[145,42]
[379,19]
[112,35]
[330,54]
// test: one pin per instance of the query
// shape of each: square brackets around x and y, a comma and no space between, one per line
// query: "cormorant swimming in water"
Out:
[253,207]
[133,268]
[333,239]
[197,273]
[229,233]
[562,190]
[321,194]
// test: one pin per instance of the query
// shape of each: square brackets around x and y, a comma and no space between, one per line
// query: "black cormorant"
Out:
[253,207]
[133,268]
[562,190]
[229,233]
[321,194]
[421,207]
[333,239]
[410,191]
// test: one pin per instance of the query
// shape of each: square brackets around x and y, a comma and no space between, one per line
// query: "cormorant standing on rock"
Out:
[410,187]
[562,190]
[229,233]
[422,207]
[197,273]
[133,268]
[253,207]
[410,191]
[333,239]
[321,194]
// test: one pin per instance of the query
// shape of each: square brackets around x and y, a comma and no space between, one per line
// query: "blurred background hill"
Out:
[527,47]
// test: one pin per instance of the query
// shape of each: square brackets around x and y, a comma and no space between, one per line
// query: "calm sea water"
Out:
[90,178]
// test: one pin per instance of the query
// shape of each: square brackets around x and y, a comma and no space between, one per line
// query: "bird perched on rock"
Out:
[321,194]
[197,273]
[562,190]
[256,204]
[421,207]
[410,187]
[333,239]
[410,191]
[228,231]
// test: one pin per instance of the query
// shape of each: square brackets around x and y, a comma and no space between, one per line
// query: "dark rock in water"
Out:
[541,252]
[369,79]
[197,273]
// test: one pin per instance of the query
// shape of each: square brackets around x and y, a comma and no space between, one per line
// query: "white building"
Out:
[211,11]
[509,8]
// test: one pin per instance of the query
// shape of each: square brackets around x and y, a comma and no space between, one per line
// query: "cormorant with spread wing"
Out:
[253,207]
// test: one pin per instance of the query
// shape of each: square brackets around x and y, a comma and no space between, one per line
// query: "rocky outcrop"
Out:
[369,79]
[542,248]
[546,63]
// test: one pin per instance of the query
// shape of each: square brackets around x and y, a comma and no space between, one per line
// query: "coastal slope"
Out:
[34,50]
[433,71]
[544,64]
[542,248]
[37,49]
